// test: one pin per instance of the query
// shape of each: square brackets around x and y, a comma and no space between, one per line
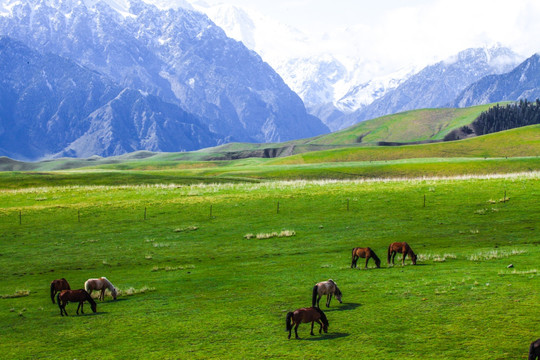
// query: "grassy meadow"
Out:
[197,283]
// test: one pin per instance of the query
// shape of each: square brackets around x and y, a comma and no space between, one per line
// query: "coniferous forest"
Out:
[500,118]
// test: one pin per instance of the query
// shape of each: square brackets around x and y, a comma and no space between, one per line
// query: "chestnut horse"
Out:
[534,350]
[306,315]
[403,248]
[366,253]
[327,288]
[58,285]
[100,284]
[79,296]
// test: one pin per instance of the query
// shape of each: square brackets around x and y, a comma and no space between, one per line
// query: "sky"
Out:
[416,32]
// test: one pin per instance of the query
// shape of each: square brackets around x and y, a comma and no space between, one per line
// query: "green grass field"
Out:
[200,289]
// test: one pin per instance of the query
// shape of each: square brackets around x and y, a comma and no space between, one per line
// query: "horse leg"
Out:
[328,298]
[403,258]
[367,259]
[82,305]
[393,256]
[320,329]
[354,259]
[64,308]
[313,322]
[318,299]
[296,331]
[102,295]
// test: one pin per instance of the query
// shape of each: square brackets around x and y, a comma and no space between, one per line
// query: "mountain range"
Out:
[339,94]
[83,78]
[177,55]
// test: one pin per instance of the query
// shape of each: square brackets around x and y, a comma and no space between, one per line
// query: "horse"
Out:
[58,285]
[79,296]
[327,288]
[367,253]
[100,284]
[534,350]
[305,315]
[403,248]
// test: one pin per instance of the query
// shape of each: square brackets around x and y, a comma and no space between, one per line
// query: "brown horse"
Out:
[534,350]
[306,315]
[79,296]
[366,253]
[403,248]
[58,285]
[327,288]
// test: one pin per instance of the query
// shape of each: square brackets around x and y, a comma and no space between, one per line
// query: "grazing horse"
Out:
[403,248]
[79,296]
[367,253]
[306,315]
[100,284]
[58,285]
[327,288]
[534,350]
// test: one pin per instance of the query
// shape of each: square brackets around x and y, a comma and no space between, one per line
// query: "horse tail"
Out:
[52,292]
[532,355]
[314,297]
[288,321]
[58,300]
[375,257]
[389,252]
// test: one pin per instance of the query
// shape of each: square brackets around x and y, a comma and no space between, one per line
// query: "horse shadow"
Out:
[329,336]
[346,306]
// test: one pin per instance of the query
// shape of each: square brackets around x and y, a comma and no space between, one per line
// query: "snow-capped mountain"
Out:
[322,80]
[439,84]
[521,83]
[178,55]
[50,106]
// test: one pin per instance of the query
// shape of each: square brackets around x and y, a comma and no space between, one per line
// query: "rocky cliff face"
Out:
[521,83]
[50,106]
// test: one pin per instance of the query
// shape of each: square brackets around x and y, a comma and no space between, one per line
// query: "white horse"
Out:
[100,284]
[328,288]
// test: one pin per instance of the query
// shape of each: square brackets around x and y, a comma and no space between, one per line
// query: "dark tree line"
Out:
[500,118]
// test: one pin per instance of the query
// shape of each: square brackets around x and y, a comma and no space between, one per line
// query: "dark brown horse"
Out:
[58,285]
[402,248]
[534,350]
[306,315]
[79,296]
[366,253]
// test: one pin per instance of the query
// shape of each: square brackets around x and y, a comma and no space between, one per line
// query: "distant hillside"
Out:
[521,142]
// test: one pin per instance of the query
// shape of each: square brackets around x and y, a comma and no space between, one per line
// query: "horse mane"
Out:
[337,292]
[374,256]
[89,297]
[323,316]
